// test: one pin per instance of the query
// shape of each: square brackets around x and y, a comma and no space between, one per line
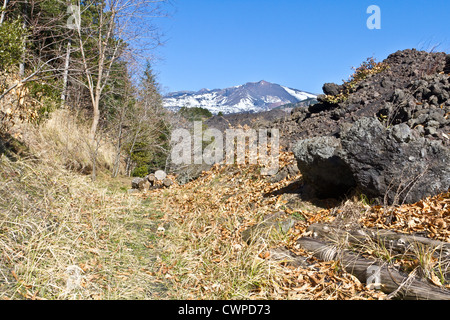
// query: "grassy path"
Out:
[64,237]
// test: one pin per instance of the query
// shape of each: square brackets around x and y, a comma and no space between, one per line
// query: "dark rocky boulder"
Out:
[323,170]
[387,137]
[393,165]
[414,89]
[331,89]
[396,165]
[447,64]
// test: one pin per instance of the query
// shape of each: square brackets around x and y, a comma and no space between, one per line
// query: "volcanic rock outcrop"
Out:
[389,138]
[395,165]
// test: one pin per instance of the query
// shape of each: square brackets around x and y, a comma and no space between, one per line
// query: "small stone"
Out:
[434,100]
[433,123]
[331,89]
[423,153]
[447,64]
[430,130]
[401,132]
[420,129]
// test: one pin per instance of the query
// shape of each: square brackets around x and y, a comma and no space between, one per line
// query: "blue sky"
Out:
[299,44]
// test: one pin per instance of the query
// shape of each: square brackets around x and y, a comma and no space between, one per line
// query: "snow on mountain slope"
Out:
[250,97]
[300,95]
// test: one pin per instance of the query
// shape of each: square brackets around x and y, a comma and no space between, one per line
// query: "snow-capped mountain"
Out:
[250,97]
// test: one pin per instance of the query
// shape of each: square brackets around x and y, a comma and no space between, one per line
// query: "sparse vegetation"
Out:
[207,258]
[366,69]
[61,237]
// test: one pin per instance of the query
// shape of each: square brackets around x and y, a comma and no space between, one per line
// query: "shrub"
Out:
[366,69]
[11,43]
[46,96]
[141,171]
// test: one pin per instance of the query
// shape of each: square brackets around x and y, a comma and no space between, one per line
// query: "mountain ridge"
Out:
[249,97]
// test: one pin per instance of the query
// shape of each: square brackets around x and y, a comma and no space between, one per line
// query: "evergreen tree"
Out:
[149,147]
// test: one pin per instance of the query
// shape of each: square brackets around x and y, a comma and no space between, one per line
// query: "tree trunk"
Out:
[388,279]
[130,153]
[65,75]
[395,241]
[118,151]
[100,80]
[24,26]
[93,136]
[95,116]
[388,241]
[2,16]
[93,150]
[128,166]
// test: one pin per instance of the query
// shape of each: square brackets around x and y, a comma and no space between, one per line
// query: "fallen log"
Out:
[375,273]
[151,179]
[138,183]
[282,254]
[167,182]
[389,239]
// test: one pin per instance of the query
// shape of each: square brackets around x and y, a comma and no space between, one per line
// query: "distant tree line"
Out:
[194,113]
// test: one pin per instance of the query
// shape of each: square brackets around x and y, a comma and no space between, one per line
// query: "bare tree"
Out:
[116,26]
[80,47]
[65,74]
[113,29]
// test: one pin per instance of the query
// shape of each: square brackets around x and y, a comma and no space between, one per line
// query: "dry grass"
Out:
[65,237]
[62,237]
[206,258]
[64,139]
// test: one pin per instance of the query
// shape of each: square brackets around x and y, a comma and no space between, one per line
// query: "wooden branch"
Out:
[373,272]
[398,242]
[30,77]
[282,254]
[17,84]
